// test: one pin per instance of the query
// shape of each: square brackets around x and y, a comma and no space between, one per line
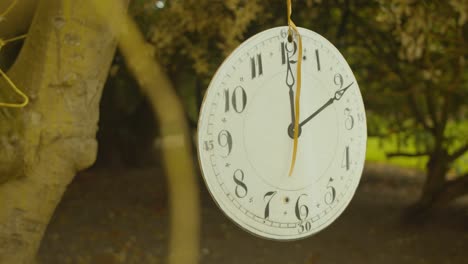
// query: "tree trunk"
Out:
[437,168]
[437,190]
[451,190]
[62,67]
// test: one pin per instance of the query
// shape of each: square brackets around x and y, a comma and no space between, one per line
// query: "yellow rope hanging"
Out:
[292,27]
[3,74]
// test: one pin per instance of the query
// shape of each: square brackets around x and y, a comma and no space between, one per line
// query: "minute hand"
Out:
[290,81]
[338,95]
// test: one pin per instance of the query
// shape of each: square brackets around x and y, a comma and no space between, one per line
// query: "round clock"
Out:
[245,135]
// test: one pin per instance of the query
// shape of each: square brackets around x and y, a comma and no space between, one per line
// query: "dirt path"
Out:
[121,217]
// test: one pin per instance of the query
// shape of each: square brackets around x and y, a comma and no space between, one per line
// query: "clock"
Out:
[246,134]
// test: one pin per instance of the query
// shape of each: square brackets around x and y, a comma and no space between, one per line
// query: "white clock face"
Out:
[245,136]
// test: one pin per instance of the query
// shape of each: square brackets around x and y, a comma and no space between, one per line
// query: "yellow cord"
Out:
[298,87]
[3,74]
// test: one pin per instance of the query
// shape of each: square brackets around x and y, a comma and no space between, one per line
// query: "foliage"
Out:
[409,57]
[196,32]
[416,62]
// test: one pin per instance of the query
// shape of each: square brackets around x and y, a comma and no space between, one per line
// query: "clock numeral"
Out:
[225,140]
[226,100]
[241,188]
[338,80]
[330,195]
[302,211]
[349,121]
[209,145]
[304,227]
[238,99]
[255,62]
[345,162]
[288,51]
[317,57]
[267,208]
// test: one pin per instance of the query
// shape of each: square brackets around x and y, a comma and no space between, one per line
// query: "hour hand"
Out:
[336,97]
[339,93]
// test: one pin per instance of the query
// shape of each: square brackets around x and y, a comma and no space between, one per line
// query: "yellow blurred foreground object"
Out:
[176,139]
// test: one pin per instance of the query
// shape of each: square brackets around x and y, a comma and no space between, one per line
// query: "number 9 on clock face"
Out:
[246,131]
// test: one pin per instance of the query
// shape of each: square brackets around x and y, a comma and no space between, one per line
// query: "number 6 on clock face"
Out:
[245,139]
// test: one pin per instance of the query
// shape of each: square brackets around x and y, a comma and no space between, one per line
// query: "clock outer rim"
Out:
[343,207]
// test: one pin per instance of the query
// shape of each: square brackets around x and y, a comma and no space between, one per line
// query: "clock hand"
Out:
[336,97]
[339,93]
[291,102]
[290,81]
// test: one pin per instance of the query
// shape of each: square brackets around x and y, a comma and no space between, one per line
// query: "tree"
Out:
[62,67]
[419,65]
[191,38]
[407,55]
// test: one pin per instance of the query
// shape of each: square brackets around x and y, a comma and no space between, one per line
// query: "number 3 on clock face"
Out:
[245,136]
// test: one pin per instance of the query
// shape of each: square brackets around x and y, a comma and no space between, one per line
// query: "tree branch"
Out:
[449,95]
[407,154]
[447,103]
[458,153]
[431,108]
[417,113]
[344,21]
[55,133]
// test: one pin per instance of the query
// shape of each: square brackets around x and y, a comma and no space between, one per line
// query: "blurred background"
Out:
[409,58]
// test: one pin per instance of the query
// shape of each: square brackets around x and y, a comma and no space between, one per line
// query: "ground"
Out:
[121,216]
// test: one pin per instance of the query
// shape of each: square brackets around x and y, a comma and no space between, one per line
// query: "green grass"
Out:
[377,149]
